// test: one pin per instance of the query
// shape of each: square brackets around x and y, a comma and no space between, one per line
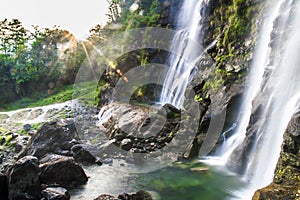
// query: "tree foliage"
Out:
[30,61]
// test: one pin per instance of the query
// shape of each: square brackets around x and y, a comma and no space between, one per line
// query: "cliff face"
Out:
[231,27]
[286,183]
[234,26]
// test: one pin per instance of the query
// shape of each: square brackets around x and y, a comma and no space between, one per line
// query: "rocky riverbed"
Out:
[46,160]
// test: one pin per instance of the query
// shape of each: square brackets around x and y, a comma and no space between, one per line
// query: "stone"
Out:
[140,195]
[105,197]
[126,144]
[200,169]
[82,154]
[27,127]
[52,137]
[56,193]
[23,179]
[62,170]
[3,187]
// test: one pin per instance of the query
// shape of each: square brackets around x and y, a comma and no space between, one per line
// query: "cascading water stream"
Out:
[179,74]
[258,66]
[274,91]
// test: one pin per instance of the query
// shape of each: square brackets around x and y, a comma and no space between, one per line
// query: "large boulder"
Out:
[54,137]
[138,128]
[3,187]
[23,179]
[61,170]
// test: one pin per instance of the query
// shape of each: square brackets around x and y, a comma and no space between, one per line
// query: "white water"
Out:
[179,74]
[257,69]
[278,94]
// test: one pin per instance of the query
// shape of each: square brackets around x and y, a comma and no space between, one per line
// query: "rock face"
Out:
[286,183]
[54,137]
[56,193]
[23,179]
[61,170]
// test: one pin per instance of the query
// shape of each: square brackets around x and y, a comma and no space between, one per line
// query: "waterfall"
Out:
[270,101]
[257,69]
[186,38]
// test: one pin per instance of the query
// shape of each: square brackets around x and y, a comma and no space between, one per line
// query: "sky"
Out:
[76,16]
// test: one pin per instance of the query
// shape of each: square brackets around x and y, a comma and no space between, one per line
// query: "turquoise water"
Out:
[181,182]
[175,182]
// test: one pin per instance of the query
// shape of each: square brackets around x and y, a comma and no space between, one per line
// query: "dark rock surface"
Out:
[23,179]
[3,186]
[286,183]
[61,170]
[138,129]
[52,137]
[82,154]
[55,193]
[140,195]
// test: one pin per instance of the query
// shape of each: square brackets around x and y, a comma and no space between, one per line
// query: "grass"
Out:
[86,92]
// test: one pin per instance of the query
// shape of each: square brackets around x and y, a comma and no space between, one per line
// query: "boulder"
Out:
[53,137]
[3,187]
[139,128]
[56,193]
[62,170]
[23,179]
[82,155]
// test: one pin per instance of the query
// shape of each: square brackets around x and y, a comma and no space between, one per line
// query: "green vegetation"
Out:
[145,15]
[38,61]
[37,99]
[234,22]
[86,93]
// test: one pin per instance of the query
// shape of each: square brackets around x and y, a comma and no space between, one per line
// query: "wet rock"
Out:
[53,137]
[3,187]
[192,150]
[62,170]
[274,192]
[23,179]
[56,193]
[82,154]
[285,184]
[140,195]
[27,127]
[126,144]
[105,197]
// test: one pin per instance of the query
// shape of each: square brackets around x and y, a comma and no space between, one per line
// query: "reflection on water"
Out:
[176,182]
[104,179]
